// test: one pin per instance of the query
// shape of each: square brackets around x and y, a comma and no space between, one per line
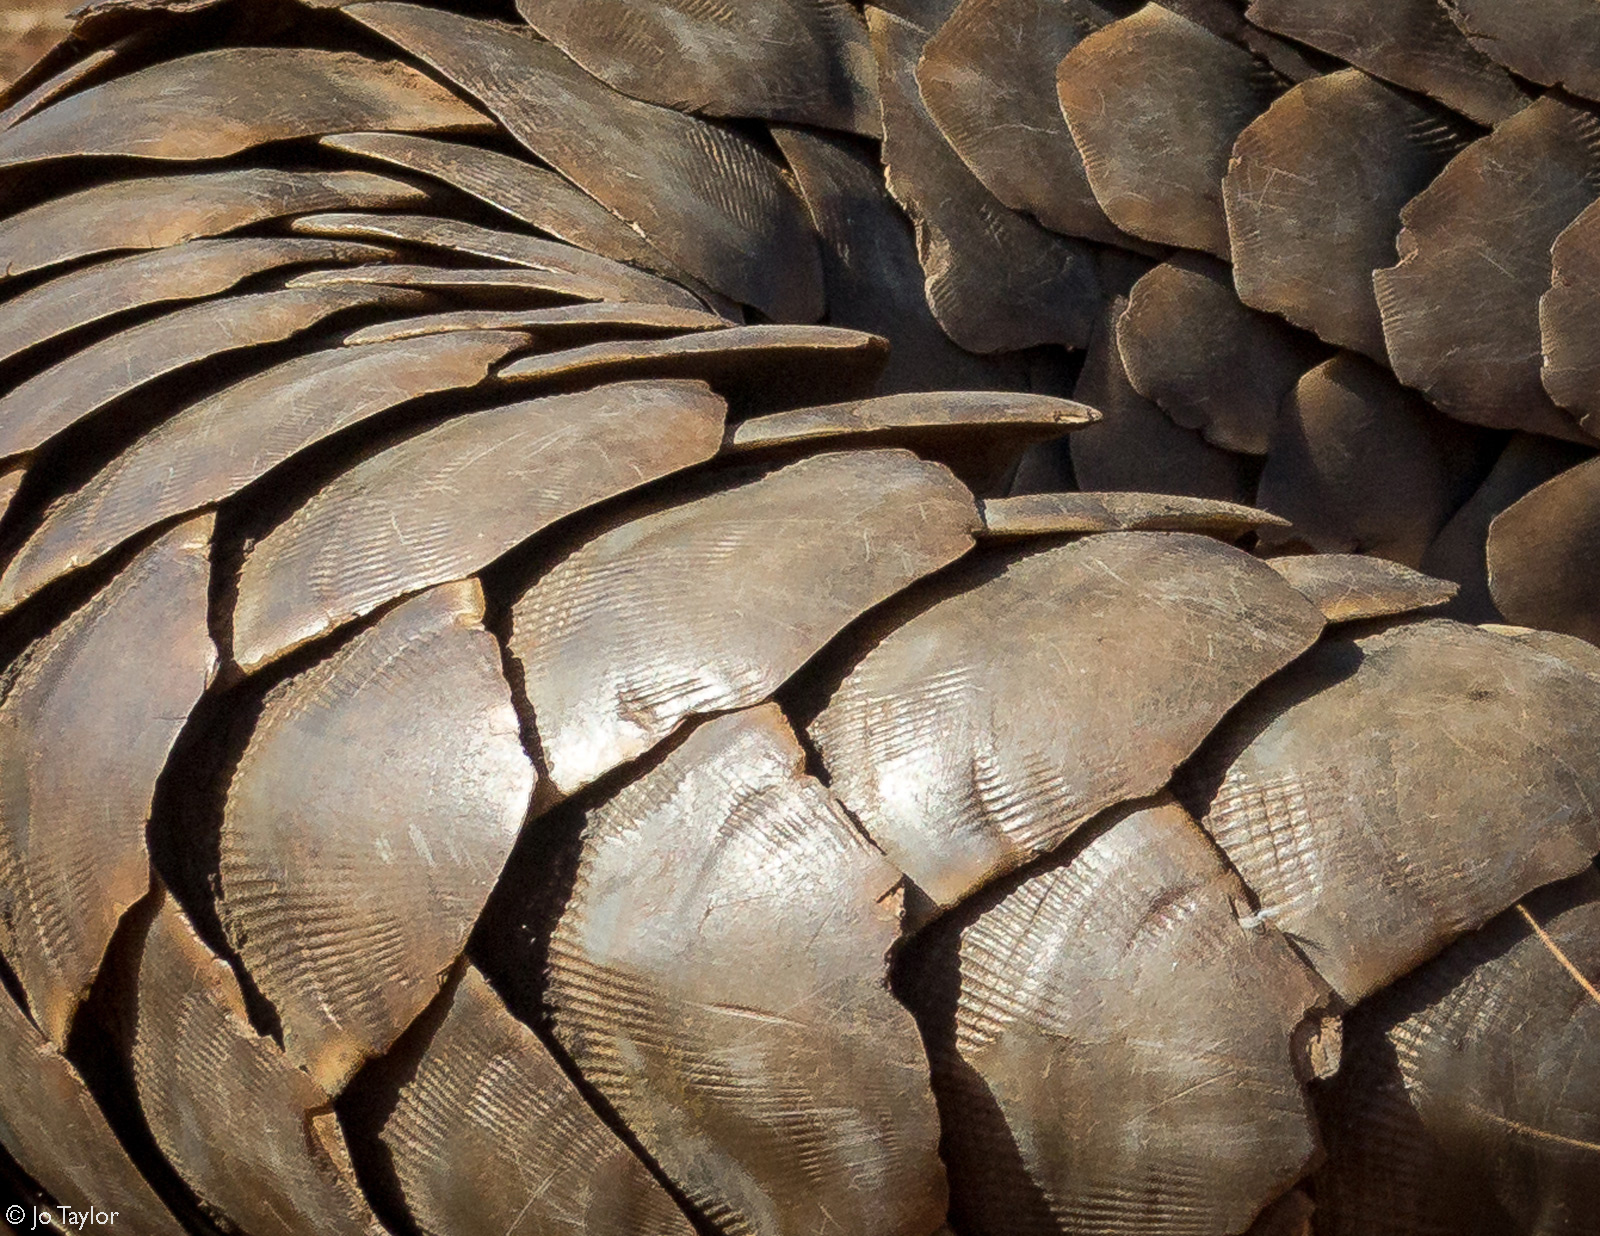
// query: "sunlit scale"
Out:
[936,618]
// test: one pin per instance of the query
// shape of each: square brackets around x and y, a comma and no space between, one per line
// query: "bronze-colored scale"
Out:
[949,619]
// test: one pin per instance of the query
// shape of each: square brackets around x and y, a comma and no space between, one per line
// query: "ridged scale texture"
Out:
[1089,968]
[305,820]
[670,767]
[86,728]
[757,1056]
[490,1135]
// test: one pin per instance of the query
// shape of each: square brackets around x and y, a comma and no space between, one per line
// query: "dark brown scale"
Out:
[1305,760]
[184,271]
[56,1131]
[758,368]
[758,1056]
[630,635]
[193,107]
[1031,515]
[1408,42]
[802,61]
[38,86]
[34,412]
[1098,967]
[1354,587]
[1461,308]
[213,448]
[710,200]
[497,286]
[1552,42]
[988,80]
[1567,313]
[1192,348]
[980,436]
[1313,195]
[871,274]
[446,503]
[317,797]
[518,187]
[561,690]
[1540,554]
[1154,102]
[488,1135]
[116,216]
[1460,551]
[459,239]
[1359,463]
[1137,446]
[85,730]
[253,1136]
[996,280]
[964,765]
[595,321]
[1469,1102]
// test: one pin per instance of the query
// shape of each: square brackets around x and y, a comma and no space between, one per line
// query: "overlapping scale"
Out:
[570,324]
[718,975]
[475,241]
[1460,551]
[1227,19]
[1355,587]
[979,435]
[212,104]
[996,280]
[1136,446]
[757,368]
[804,61]
[1541,555]
[1411,43]
[1552,42]
[1359,463]
[1460,310]
[1568,312]
[1208,362]
[522,189]
[1469,1102]
[33,412]
[86,728]
[51,1124]
[447,502]
[1154,102]
[1397,790]
[988,79]
[1135,959]
[217,446]
[488,1136]
[191,270]
[366,824]
[1313,196]
[870,270]
[677,613]
[154,212]
[705,196]
[965,753]
[39,85]
[1122,1031]
[487,285]
[254,1137]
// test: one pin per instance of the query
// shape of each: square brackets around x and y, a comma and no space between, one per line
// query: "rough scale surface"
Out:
[937,618]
